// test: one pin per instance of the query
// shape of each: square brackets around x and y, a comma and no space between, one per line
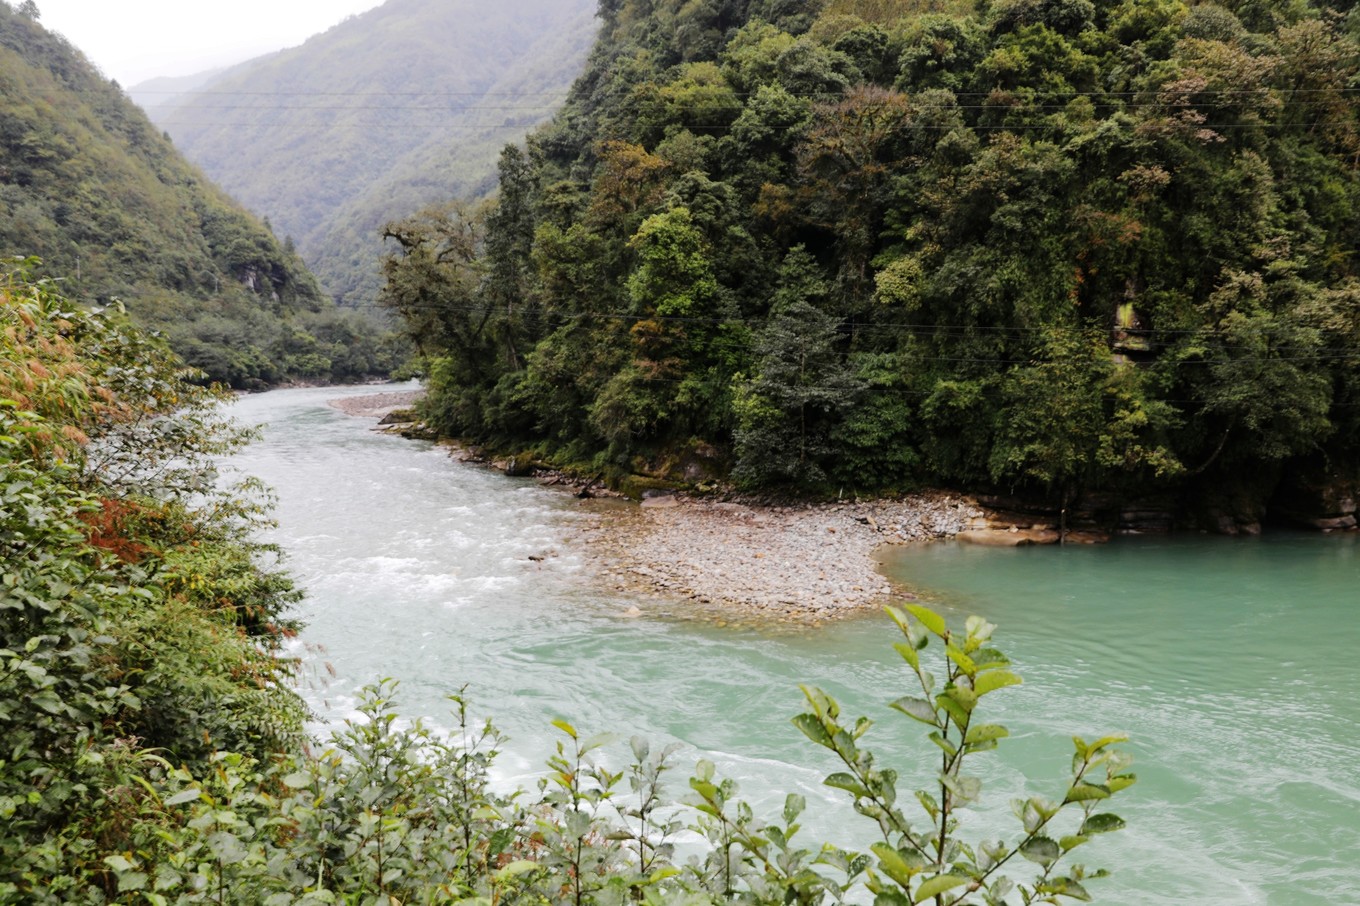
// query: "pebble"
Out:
[805,563]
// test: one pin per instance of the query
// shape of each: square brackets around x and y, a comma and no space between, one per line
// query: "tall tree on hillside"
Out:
[509,249]
[803,387]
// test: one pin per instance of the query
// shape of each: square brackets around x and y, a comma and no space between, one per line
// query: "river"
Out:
[1230,662]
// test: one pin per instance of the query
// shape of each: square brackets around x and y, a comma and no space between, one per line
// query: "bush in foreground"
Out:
[387,815]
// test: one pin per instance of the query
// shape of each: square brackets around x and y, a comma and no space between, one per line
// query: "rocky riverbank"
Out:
[795,563]
[377,405]
[736,560]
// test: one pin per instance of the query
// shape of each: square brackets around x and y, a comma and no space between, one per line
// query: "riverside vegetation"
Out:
[1086,252]
[154,752]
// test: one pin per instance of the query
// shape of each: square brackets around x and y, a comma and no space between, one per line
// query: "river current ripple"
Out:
[1230,663]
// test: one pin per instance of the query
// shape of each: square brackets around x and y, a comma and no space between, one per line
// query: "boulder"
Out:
[655,499]
[1014,537]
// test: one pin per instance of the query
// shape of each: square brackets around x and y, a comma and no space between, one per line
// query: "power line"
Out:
[1321,355]
[822,96]
[957,331]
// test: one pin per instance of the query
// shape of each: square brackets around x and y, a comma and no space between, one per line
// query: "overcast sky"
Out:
[135,40]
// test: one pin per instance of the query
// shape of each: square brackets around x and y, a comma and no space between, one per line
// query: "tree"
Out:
[802,389]
[510,226]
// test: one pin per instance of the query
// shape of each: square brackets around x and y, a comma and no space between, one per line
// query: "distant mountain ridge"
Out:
[170,91]
[91,187]
[391,110]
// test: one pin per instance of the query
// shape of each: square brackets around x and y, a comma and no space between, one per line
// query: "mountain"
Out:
[91,187]
[399,107]
[170,91]
[1096,256]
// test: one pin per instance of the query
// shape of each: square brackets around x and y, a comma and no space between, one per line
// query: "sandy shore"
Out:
[376,405]
[805,563]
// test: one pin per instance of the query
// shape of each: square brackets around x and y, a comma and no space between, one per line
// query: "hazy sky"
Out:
[134,40]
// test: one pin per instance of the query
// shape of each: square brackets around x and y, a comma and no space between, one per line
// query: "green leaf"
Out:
[1029,815]
[909,655]
[898,865]
[979,630]
[1063,887]
[993,680]
[823,705]
[1085,792]
[298,780]
[184,796]
[990,659]
[1075,891]
[500,841]
[1107,741]
[794,805]
[929,619]
[1041,850]
[847,782]
[949,748]
[1072,841]
[979,733]
[132,880]
[812,728]
[917,709]
[964,662]
[565,728]
[964,789]
[1103,823]
[515,869]
[118,863]
[1121,782]
[937,885]
[227,848]
[956,711]
[49,702]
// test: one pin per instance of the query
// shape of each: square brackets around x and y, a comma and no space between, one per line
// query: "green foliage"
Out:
[139,622]
[919,862]
[1066,248]
[802,392]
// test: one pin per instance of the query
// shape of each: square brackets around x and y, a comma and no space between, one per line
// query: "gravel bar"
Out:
[787,563]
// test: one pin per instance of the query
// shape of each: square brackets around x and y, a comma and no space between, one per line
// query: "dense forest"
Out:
[1098,255]
[390,110]
[102,197]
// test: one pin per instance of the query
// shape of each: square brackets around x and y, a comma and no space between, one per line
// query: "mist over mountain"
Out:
[399,107]
[171,91]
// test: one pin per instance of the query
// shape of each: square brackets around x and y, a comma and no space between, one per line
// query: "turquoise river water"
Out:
[1232,663]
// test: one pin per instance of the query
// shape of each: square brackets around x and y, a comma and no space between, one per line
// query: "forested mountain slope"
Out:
[89,185]
[1096,254]
[396,108]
